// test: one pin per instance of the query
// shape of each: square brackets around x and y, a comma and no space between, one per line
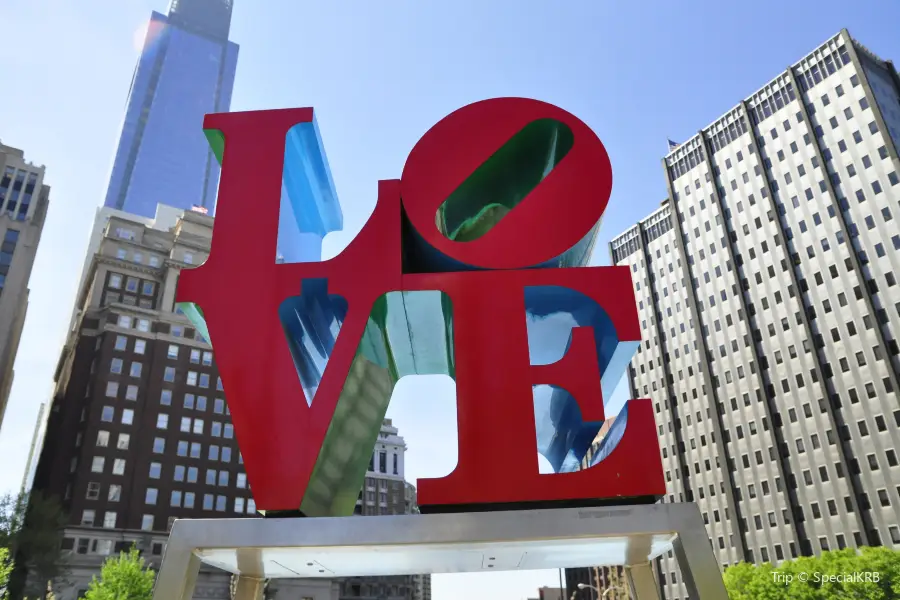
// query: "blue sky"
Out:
[379,75]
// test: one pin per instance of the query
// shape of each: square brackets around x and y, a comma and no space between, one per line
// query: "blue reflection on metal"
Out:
[552,312]
[309,204]
[311,323]
[612,438]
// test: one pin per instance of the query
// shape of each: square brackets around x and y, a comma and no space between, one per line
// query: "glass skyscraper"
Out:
[186,70]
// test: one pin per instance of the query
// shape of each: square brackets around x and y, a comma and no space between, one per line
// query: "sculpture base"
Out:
[257,549]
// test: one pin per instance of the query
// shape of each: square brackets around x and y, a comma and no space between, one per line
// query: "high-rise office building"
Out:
[24,200]
[186,70]
[767,293]
[385,492]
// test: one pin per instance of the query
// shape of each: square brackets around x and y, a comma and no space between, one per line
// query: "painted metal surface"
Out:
[470,265]
[447,543]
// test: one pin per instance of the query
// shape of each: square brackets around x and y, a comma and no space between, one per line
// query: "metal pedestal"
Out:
[259,549]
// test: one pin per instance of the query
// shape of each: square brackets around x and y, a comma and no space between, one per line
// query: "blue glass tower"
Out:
[185,71]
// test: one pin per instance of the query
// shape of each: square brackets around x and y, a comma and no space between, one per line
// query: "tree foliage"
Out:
[123,577]
[5,570]
[31,531]
[869,574]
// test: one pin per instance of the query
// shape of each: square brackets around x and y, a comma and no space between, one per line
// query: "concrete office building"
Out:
[23,208]
[386,492]
[138,432]
[767,292]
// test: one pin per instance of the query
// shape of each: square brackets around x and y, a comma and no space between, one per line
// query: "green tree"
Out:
[123,577]
[867,574]
[5,570]
[31,530]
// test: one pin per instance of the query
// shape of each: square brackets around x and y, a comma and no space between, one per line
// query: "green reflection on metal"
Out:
[216,141]
[503,180]
[195,316]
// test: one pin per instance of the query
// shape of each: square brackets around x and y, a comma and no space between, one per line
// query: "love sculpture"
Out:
[471,265]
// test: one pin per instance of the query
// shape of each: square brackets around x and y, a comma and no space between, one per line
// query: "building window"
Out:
[147,288]
[143,325]
[155,470]
[173,351]
[192,475]
[226,454]
[207,358]
[114,494]
[103,438]
[112,389]
[241,480]
[93,490]
[127,416]
[115,365]
[115,281]
[121,342]
[165,397]
[229,431]
[124,322]
[175,499]
[131,392]
[188,258]
[201,402]
[382,462]
[140,346]
[195,357]
[87,518]
[251,506]
[219,406]
[207,501]
[169,374]
[159,445]
[124,439]
[119,466]
[223,478]
[204,380]
[191,378]
[162,421]
[147,523]
[221,502]
[198,426]
[196,450]
[239,505]
[109,520]
[107,414]
[210,477]
[185,424]
[189,499]
[97,464]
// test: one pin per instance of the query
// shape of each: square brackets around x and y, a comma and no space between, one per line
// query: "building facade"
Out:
[24,200]
[186,70]
[767,293]
[386,492]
